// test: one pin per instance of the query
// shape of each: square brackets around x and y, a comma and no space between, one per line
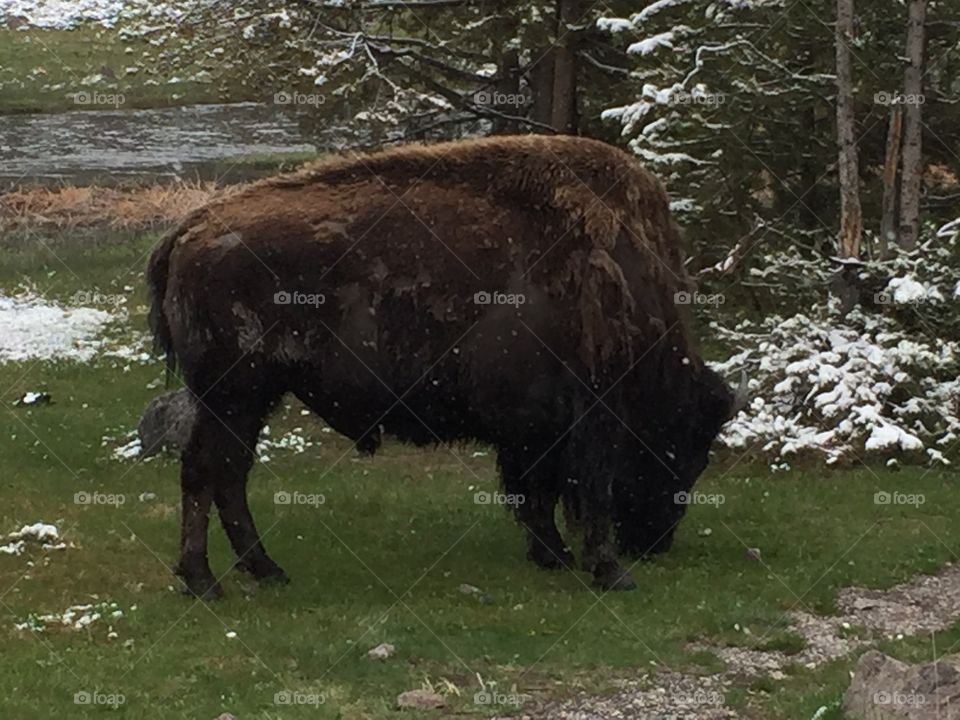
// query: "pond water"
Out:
[86,146]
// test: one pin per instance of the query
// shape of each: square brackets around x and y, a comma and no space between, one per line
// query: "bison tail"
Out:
[158,269]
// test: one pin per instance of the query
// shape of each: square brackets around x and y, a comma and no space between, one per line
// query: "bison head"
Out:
[651,500]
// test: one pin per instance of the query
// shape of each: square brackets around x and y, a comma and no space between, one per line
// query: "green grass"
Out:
[382,560]
[42,69]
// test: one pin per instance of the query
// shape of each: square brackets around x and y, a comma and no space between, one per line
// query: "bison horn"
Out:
[742,395]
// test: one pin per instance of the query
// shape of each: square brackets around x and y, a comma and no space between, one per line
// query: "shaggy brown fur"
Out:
[589,389]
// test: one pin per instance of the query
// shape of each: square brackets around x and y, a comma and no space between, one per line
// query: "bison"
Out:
[515,291]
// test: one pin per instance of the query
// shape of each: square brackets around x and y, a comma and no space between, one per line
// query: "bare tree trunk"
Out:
[564,111]
[851,219]
[912,141]
[506,98]
[541,86]
[888,221]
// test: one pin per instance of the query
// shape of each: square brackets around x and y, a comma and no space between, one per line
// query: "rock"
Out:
[886,689]
[226,716]
[166,422]
[381,651]
[420,700]
[753,554]
[469,589]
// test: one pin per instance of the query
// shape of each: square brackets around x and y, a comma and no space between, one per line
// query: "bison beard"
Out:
[589,390]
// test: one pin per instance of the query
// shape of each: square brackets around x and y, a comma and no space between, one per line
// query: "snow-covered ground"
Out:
[33,328]
[42,534]
[36,329]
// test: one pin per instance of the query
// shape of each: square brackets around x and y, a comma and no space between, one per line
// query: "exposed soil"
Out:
[923,605]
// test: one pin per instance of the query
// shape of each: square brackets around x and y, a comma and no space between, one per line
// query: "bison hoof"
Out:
[265,572]
[275,577]
[551,559]
[198,582]
[203,591]
[610,576]
[204,587]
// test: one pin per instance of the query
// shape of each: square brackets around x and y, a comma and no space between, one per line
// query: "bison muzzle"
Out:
[515,291]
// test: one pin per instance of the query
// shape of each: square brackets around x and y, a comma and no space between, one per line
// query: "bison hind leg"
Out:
[196,487]
[241,425]
[214,469]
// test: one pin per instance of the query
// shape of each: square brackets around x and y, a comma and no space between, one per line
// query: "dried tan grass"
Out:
[118,208]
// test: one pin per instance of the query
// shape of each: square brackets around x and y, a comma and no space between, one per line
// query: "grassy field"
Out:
[383,559]
[41,70]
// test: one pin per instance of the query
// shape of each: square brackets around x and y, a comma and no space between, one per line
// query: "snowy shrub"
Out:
[880,380]
[843,388]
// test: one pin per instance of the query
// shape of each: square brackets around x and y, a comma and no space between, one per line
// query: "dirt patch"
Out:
[923,605]
[667,695]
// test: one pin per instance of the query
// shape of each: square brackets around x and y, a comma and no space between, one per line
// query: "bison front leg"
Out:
[240,428]
[596,453]
[600,558]
[647,517]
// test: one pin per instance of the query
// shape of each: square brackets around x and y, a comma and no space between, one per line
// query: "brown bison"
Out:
[516,291]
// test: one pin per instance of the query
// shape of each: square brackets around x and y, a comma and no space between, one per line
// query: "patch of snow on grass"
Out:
[292,440]
[45,535]
[75,617]
[129,451]
[41,532]
[35,329]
